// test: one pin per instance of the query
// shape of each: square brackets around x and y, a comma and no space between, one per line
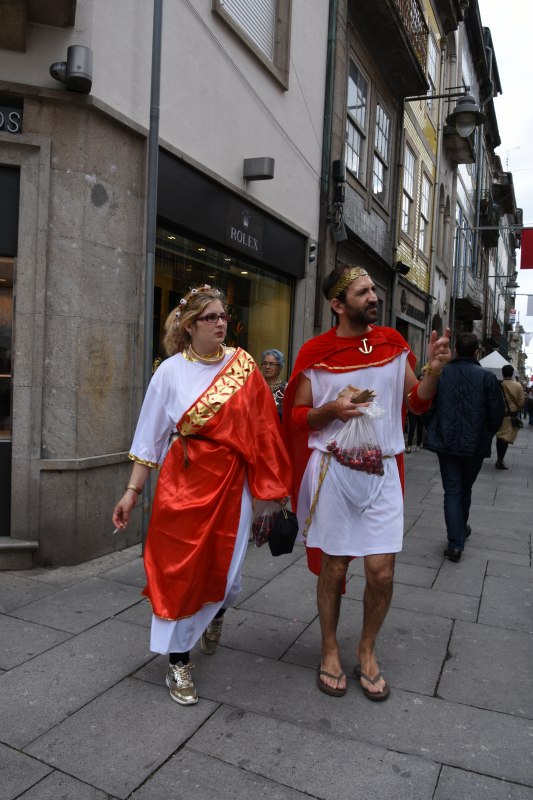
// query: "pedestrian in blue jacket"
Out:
[467,411]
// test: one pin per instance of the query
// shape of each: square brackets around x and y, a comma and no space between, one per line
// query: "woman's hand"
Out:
[123,509]
[126,504]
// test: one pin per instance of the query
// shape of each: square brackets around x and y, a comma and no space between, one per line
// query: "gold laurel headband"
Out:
[345,280]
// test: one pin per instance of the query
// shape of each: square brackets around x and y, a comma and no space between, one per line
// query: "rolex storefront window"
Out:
[259,301]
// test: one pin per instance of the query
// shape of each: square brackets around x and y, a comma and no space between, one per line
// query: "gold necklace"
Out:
[209,358]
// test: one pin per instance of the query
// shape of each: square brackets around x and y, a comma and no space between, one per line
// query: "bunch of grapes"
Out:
[262,529]
[364,459]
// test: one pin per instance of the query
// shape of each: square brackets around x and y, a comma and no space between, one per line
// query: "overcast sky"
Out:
[511,26]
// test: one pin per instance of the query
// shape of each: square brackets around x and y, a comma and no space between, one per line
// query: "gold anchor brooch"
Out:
[365,349]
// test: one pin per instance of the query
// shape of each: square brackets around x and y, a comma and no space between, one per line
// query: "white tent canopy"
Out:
[494,363]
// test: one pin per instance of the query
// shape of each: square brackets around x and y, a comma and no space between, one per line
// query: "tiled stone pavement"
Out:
[84,713]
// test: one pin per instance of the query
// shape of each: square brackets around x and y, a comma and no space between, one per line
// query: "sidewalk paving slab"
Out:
[81,606]
[18,772]
[264,634]
[43,691]
[23,640]
[455,784]
[132,573]
[66,576]
[507,603]
[139,614]
[260,563]
[463,577]
[420,552]
[17,591]
[58,786]
[503,569]
[95,744]
[489,668]
[328,766]
[191,775]
[291,595]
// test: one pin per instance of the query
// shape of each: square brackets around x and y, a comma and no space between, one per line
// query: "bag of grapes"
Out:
[355,446]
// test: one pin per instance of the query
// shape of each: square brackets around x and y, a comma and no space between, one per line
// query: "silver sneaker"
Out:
[211,636]
[180,684]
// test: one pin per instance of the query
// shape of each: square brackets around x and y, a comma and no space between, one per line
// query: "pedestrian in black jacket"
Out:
[466,413]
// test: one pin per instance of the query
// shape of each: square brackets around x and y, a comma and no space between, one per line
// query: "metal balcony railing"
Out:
[469,287]
[416,27]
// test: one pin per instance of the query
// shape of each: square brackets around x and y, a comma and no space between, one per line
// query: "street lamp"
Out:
[466,114]
[511,283]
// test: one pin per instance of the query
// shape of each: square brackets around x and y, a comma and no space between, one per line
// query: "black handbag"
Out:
[284,532]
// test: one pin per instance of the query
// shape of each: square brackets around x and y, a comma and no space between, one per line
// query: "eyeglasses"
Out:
[212,319]
[269,364]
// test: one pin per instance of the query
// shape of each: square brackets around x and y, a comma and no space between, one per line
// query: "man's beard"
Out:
[361,317]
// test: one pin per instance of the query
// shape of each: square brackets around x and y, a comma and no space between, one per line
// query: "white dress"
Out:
[174,387]
[357,514]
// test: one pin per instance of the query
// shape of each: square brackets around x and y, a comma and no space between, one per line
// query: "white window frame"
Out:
[380,162]
[408,190]
[425,208]
[432,72]
[275,58]
[464,250]
[357,122]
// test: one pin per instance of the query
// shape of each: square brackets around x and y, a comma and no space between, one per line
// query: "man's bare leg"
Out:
[329,590]
[379,573]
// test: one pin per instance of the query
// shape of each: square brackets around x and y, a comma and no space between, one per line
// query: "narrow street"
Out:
[86,715]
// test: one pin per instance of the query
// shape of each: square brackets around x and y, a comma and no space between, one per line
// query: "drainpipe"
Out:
[396,212]
[151,222]
[326,150]
[434,242]
[479,161]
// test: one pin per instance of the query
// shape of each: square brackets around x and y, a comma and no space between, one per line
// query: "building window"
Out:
[264,25]
[464,242]
[259,302]
[408,190]
[432,72]
[357,122]
[425,195]
[380,169]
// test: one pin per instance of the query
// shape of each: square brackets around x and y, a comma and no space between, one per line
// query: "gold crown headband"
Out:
[345,280]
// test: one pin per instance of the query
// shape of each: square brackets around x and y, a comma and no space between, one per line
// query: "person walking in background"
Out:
[415,424]
[272,362]
[529,405]
[525,412]
[513,397]
[349,513]
[466,413]
[209,419]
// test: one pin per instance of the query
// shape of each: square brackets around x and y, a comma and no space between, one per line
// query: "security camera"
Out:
[59,71]
[77,71]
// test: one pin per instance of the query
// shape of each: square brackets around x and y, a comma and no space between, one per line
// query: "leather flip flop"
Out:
[331,690]
[375,696]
